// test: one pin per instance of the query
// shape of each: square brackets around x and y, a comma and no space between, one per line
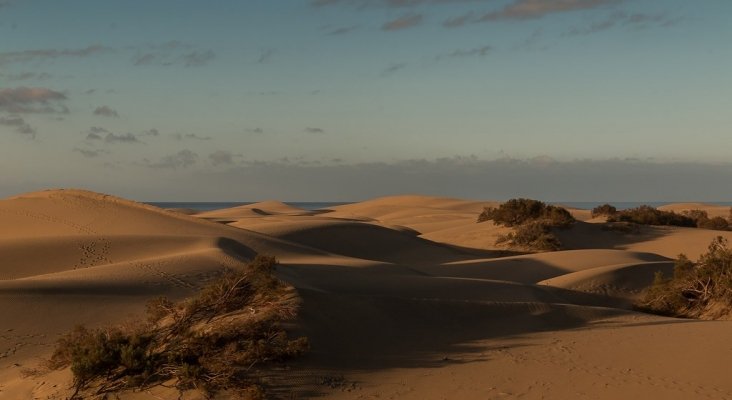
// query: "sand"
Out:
[404,297]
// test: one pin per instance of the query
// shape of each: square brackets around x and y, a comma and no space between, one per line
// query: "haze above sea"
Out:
[320,205]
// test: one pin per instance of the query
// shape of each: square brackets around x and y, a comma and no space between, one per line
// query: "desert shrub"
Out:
[211,342]
[604,210]
[518,211]
[716,223]
[701,289]
[695,214]
[647,215]
[533,235]
[533,221]
[702,220]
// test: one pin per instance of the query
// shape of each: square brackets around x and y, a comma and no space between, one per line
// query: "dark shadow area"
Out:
[235,249]
[385,317]
[584,235]
[523,270]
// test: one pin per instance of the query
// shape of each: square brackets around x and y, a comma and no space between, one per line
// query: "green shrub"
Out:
[604,210]
[532,235]
[210,342]
[518,211]
[647,215]
[697,290]
[716,223]
[533,221]
[702,220]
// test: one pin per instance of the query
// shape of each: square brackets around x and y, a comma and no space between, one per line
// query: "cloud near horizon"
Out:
[32,100]
[389,3]
[314,130]
[106,111]
[182,159]
[407,21]
[121,138]
[19,124]
[90,153]
[174,52]
[468,177]
[534,9]
[622,19]
[11,57]
[477,51]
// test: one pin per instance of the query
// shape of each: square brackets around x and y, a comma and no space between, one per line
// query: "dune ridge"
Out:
[403,297]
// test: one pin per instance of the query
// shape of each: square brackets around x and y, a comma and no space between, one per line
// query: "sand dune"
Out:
[713,210]
[403,297]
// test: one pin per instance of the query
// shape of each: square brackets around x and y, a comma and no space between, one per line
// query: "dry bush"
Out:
[647,215]
[519,211]
[533,221]
[696,290]
[213,341]
[702,220]
[604,210]
[621,227]
[532,235]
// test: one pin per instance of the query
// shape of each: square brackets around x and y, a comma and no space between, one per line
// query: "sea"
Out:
[322,205]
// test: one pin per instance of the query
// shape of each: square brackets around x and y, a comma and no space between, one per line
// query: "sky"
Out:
[344,100]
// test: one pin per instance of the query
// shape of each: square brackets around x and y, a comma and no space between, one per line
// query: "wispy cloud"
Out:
[313,130]
[95,133]
[106,111]
[19,125]
[474,52]
[631,21]
[182,159]
[222,157]
[25,100]
[189,136]
[151,132]
[172,53]
[11,57]
[198,58]
[388,3]
[121,138]
[265,56]
[460,20]
[341,31]
[24,76]
[90,153]
[404,22]
[533,9]
[393,68]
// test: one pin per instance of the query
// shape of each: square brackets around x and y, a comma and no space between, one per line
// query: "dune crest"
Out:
[403,297]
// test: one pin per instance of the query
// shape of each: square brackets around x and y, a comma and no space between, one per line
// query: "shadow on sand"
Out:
[385,317]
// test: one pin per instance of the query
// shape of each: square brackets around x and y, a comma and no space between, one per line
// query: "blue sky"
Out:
[240,100]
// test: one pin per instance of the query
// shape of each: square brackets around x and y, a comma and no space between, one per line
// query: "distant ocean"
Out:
[216,205]
[319,205]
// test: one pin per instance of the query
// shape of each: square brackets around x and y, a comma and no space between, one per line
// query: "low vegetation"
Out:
[701,220]
[533,221]
[212,342]
[515,212]
[647,215]
[605,210]
[701,289]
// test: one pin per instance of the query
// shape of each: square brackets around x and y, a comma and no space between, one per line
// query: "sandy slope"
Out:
[713,210]
[404,297]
